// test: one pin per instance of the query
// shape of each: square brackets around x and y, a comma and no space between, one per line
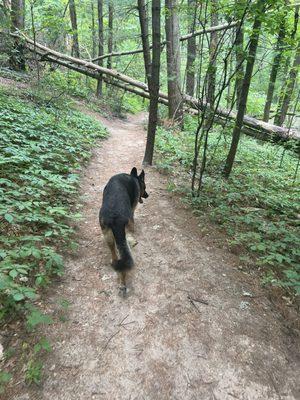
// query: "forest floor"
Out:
[193,325]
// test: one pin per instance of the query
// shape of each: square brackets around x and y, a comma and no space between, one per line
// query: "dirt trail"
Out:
[157,344]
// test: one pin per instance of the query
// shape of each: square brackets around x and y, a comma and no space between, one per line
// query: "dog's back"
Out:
[120,197]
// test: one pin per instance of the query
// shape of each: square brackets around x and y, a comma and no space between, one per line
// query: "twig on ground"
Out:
[191,299]
[123,324]
[109,340]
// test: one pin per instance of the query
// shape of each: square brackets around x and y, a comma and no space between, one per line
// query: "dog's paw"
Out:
[132,241]
[123,291]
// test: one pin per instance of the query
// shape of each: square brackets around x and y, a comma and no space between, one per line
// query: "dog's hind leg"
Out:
[130,229]
[110,240]
[130,225]
[123,287]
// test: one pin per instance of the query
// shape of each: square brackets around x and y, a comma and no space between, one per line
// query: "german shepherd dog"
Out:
[120,198]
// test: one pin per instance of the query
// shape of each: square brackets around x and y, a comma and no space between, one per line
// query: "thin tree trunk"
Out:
[100,46]
[239,55]
[17,59]
[228,95]
[292,38]
[94,46]
[288,93]
[154,83]
[143,17]
[274,71]
[245,88]
[212,68]
[110,32]
[286,74]
[191,50]
[73,17]
[173,61]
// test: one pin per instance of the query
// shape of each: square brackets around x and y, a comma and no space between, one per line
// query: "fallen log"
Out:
[255,127]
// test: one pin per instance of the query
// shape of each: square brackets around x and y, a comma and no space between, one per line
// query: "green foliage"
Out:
[42,150]
[36,317]
[33,373]
[42,345]
[34,367]
[69,82]
[258,206]
[5,377]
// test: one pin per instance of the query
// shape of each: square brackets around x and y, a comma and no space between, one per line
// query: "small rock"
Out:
[1,351]
[244,305]
[247,294]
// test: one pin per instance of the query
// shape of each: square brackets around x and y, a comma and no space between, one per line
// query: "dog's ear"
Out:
[134,172]
[142,175]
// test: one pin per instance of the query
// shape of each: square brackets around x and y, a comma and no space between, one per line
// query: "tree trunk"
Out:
[287,85]
[110,32]
[213,44]
[245,88]
[99,90]
[173,61]
[17,59]
[239,55]
[143,17]
[73,17]
[229,96]
[191,49]
[94,46]
[290,85]
[274,71]
[154,83]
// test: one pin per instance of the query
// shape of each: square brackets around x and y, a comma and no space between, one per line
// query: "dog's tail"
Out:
[125,263]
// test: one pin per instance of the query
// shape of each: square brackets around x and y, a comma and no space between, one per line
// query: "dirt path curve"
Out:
[156,344]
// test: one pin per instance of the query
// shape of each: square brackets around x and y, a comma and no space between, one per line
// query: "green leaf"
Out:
[13,273]
[9,218]
[18,296]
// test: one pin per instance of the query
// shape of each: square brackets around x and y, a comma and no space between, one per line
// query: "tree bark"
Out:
[94,46]
[239,56]
[110,32]
[245,88]
[274,71]
[154,83]
[213,44]
[73,17]
[143,17]
[289,89]
[288,81]
[191,49]
[99,90]
[17,59]
[173,62]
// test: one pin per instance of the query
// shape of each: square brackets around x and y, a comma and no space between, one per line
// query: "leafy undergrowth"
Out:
[258,206]
[113,100]
[42,149]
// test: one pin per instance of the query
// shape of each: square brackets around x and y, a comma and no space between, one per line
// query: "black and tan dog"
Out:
[120,198]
